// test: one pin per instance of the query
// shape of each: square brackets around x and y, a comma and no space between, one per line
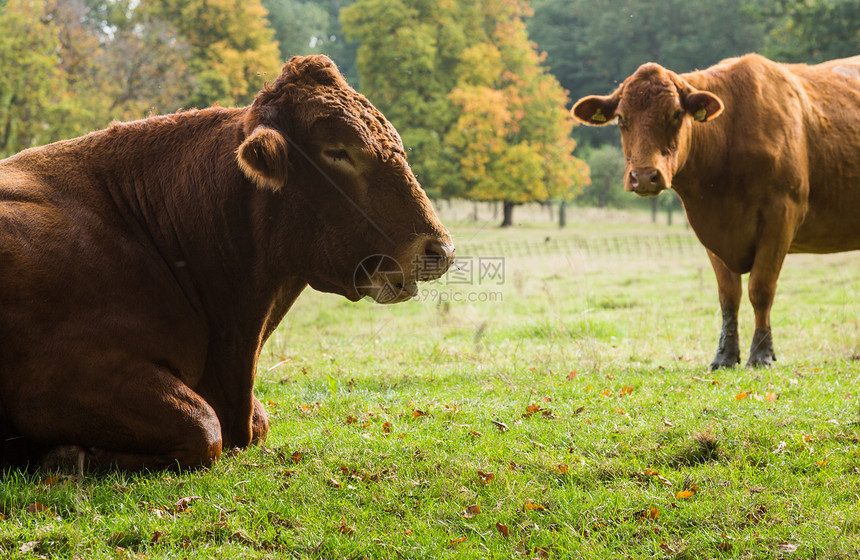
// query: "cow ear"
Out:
[262,158]
[703,105]
[595,110]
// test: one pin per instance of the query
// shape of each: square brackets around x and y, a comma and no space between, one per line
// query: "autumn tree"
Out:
[513,131]
[36,104]
[408,60]
[232,51]
[460,80]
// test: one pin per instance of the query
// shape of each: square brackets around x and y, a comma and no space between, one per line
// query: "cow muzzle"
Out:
[645,182]
[387,279]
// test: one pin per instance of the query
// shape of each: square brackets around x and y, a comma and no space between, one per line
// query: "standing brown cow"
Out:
[142,267]
[778,171]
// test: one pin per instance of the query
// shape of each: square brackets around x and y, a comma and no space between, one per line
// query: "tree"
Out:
[299,27]
[607,170]
[811,30]
[513,132]
[31,78]
[592,45]
[465,88]
[232,50]
[408,60]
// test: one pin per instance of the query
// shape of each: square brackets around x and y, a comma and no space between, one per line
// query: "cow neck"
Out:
[702,172]
[213,228]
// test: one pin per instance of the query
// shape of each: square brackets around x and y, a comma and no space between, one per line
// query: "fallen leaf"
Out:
[347,530]
[741,396]
[29,546]
[288,473]
[500,425]
[780,448]
[663,480]
[667,423]
[562,468]
[724,546]
[620,411]
[533,507]
[296,457]
[418,413]
[471,511]
[821,463]
[503,529]
[475,433]
[37,507]
[807,438]
[333,483]
[606,393]
[579,410]
[651,472]
[183,503]
[407,531]
[770,397]
[486,478]
[684,494]
[156,536]
[536,444]
[457,541]
[572,375]
[786,547]
[625,390]
[651,513]
[540,552]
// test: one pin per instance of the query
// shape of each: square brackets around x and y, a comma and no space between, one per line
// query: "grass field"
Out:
[550,398]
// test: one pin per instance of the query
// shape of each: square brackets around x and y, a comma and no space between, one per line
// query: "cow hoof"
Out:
[761,349]
[65,458]
[761,361]
[725,361]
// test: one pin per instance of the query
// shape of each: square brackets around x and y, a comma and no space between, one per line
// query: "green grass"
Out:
[578,380]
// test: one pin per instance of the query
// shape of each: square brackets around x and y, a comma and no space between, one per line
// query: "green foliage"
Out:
[464,86]
[36,105]
[593,44]
[607,169]
[232,52]
[811,30]
[299,27]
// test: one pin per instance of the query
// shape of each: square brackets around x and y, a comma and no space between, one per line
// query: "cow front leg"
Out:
[144,418]
[730,291]
[770,254]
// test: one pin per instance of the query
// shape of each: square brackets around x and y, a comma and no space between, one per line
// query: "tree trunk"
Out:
[562,214]
[669,211]
[653,209]
[508,220]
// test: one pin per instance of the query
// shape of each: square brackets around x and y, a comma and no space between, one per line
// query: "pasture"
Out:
[549,398]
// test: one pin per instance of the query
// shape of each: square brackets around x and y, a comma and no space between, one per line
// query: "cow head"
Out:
[655,110]
[365,225]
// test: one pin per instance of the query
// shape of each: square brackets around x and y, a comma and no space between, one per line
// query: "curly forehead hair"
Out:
[311,90]
[649,83]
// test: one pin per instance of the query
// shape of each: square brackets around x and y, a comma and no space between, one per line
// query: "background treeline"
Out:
[479,89]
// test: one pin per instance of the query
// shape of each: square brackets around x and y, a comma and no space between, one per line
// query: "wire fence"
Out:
[635,246]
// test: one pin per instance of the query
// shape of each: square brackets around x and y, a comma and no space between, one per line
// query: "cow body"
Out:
[142,267]
[765,158]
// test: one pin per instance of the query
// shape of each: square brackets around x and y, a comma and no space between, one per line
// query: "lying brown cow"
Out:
[778,172]
[142,267]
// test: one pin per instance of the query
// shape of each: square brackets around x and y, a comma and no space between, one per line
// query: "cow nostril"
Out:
[438,256]
[634,179]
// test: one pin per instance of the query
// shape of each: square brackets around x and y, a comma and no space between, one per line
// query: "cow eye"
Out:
[677,115]
[338,156]
[621,122]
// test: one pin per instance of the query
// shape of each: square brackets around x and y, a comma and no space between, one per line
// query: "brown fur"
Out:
[771,167]
[142,267]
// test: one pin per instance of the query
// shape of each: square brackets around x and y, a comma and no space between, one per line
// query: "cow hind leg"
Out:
[730,292]
[139,421]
